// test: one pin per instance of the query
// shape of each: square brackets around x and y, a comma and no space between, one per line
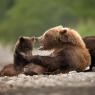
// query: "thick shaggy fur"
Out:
[90,44]
[69,51]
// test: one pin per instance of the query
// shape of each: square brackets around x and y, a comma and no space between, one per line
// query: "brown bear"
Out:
[69,51]
[22,56]
[90,44]
[23,51]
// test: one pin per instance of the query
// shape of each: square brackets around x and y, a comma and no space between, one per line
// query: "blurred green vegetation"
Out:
[33,17]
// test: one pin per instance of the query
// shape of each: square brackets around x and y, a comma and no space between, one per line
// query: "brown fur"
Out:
[22,57]
[34,69]
[90,44]
[69,50]
[10,70]
[23,51]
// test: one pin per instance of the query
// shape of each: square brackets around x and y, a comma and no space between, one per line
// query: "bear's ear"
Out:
[63,35]
[63,32]
[21,39]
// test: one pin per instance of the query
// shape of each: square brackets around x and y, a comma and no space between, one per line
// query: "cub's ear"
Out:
[21,39]
[33,38]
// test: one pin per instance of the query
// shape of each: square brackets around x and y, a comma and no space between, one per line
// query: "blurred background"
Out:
[33,17]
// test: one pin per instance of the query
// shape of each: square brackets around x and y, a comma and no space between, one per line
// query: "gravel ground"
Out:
[72,83]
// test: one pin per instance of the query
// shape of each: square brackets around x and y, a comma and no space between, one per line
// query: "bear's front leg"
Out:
[50,63]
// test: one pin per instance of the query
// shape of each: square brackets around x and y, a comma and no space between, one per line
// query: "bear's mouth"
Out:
[42,46]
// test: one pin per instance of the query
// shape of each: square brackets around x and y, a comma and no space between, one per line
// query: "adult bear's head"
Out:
[58,36]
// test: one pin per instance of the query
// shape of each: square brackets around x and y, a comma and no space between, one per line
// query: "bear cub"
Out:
[22,57]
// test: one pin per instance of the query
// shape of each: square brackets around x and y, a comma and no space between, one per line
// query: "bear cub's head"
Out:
[25,44]
[23,51]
